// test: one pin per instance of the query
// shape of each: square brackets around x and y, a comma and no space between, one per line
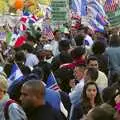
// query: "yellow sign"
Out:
[3,6]
[45,2]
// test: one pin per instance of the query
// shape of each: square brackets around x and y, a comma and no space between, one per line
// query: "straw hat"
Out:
[3,83]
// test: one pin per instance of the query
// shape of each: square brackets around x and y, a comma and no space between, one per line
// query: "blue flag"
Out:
[79,6]
[16,74]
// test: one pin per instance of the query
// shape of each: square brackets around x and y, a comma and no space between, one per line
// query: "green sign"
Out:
[114,18]
[60,11]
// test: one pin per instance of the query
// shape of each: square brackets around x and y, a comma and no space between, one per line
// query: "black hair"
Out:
[93,73]
[78,51]
[64,75]
[27,47]
[91,58]
[65,58]
[98,47]
[38,71]
[56,32]
[79,40]
[64,45]
[20,56]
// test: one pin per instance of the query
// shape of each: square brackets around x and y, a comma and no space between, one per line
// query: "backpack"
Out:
[6,107]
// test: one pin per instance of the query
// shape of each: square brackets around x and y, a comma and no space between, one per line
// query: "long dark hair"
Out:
[86,106]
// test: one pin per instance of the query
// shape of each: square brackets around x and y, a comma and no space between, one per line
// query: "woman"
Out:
[90,99]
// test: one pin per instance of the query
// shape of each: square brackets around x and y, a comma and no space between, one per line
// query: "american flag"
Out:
[111,5]
[47,31]
[52,83]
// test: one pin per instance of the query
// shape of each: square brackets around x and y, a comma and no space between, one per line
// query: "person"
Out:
[66,79]
[48,53]
[9,109]
[99,113]
[64,47]
[79,55]
[33,101]
[90,99]
[102,80]
[88,41]
[31,59]
[113,53]
[55,42]
[79,76]
[98,49]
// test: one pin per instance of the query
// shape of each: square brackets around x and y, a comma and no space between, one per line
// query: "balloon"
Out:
[19,4]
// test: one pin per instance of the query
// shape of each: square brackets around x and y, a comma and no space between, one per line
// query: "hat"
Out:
[3,83]
[47,47]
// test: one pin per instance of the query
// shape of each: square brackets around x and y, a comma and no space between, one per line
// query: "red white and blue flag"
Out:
[47,31]
[26,19]
[52,83]
[111,5]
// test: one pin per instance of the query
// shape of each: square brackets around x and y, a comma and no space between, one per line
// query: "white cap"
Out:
[47,47]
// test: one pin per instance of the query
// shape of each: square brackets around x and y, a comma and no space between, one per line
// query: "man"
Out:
[31,59]
[33,101]
[79,75]
[102,80]
[55,43]
[88,42]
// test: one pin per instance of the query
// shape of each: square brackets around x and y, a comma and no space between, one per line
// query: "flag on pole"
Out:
[47,30]
[96,25]
[97,6]
[79,6]
[52,83]
[110,6]
[26,19]
[15,75]
[97,15]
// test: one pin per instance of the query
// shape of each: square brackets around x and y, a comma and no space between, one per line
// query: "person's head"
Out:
[48,51]
[79,40]
[57,34]
[92,62]
[91,74]
[91,93]
[99,113]
[32,94]
[3,86]
[65,58]
[38,71]
[78,52]
[65,78]
[115,41]
[79,71]
[98,47]
[20,57]
[64,45]
[27,48]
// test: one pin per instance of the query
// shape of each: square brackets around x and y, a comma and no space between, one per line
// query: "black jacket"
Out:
[44,112]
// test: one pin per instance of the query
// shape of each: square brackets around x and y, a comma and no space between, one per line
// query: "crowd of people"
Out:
[86,68]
